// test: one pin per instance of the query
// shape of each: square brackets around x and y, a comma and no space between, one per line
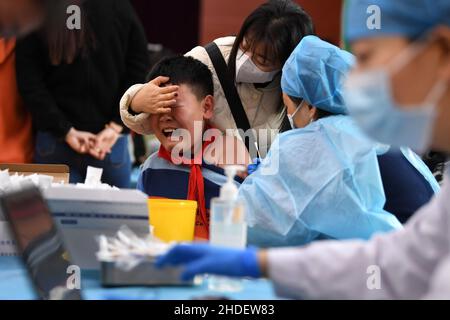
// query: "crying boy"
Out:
[189,163]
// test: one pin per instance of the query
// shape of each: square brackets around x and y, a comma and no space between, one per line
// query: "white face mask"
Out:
[248,72]
[291,116]
[371,103]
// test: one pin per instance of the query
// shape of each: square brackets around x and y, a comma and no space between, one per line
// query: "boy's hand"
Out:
[153,98]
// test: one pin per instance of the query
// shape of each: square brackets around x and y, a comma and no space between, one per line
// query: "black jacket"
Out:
[85,94]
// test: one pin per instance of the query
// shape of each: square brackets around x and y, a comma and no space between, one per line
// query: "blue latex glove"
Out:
[252,167]
[203,258]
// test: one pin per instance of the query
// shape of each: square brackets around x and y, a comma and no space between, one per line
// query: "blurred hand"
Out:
[80,141]
[105,140]
[153,98]
[204,258]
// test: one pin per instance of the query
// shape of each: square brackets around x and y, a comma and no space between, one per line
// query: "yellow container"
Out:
[172,220]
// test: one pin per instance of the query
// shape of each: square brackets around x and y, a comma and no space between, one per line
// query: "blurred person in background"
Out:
[16,138]
[16,18]
[72,80]
[21,16]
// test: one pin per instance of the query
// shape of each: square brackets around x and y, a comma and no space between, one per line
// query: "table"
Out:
[15,285]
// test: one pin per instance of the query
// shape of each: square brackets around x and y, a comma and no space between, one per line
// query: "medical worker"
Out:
[320,180]
[413,43]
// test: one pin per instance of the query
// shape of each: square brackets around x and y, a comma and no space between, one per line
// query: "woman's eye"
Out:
[261,62]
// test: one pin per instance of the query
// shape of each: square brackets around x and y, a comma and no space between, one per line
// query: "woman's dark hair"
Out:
[277,24]
[64,44]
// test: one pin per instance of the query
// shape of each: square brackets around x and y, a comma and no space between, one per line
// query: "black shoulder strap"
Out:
[229,89]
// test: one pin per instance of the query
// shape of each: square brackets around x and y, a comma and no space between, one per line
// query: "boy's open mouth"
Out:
[167,132]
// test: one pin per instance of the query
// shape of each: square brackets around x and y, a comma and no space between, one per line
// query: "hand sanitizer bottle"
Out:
[227,225]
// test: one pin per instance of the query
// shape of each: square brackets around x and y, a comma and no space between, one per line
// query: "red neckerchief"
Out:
[196,189]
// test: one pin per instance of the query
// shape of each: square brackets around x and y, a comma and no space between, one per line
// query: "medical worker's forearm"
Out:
[324,270]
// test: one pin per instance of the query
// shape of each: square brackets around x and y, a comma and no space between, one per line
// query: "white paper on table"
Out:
[93,176]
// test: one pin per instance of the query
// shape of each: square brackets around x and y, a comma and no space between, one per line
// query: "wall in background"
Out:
[182,24]
[172,23]
[218,18]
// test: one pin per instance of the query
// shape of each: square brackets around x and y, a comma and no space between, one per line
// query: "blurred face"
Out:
[18,17]
[303,116]
[413,81]
[187,111]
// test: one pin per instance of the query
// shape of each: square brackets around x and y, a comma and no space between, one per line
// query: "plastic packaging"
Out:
[128,260]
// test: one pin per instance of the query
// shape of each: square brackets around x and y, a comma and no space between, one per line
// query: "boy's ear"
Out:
[208,107]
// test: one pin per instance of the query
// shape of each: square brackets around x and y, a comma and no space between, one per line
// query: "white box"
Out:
[84,214]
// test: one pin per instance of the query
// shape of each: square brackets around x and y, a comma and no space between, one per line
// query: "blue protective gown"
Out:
[327,186]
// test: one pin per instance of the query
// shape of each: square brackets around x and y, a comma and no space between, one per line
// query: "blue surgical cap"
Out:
[315,71]
[407,18]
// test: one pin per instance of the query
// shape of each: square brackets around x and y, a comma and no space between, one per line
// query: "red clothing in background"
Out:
[16,140]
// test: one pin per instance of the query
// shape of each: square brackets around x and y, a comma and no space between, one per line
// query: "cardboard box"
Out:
[59,172]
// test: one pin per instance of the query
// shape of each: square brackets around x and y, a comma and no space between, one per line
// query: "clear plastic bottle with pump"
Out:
[227,226]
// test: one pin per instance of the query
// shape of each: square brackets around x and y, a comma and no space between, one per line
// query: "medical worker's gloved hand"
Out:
[203,258]
[252,167]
